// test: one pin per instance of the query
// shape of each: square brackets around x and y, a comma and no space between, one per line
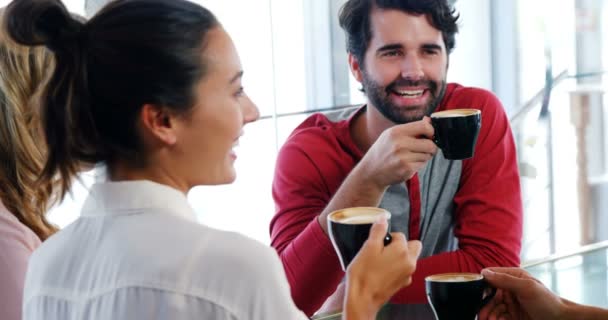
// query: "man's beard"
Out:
[379,96]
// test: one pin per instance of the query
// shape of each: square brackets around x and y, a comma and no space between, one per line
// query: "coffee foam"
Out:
[362,219]
[455,113]
[454,277]
[358,215]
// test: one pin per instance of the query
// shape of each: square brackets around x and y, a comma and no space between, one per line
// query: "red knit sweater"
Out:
[319,155]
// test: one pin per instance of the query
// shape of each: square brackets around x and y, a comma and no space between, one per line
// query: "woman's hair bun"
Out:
[43,22]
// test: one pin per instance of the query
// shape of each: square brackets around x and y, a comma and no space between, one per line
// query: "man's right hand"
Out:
[395,157]
[398,153]
[378,272]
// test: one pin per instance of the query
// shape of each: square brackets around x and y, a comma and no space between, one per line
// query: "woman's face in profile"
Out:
[208,135]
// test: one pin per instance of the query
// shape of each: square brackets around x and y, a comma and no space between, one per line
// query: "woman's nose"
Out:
[250,111]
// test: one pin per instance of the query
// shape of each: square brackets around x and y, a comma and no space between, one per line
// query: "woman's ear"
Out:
[158,124]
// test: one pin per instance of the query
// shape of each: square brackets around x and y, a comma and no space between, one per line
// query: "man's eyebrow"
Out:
[396,46]
[237,76]
[432,46]
[389,47]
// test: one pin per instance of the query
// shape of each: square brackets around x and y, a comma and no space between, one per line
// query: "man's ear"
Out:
[158,123]
[355,67]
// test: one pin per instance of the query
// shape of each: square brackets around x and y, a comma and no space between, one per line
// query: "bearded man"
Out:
[467,213]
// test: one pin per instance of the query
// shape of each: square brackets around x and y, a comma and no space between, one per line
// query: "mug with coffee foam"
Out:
[459,296]
[349,228]
[456,132]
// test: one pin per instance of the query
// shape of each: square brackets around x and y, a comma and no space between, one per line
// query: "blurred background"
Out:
[545,59]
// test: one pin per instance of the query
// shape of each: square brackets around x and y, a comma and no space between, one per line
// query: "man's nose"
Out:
[411,67]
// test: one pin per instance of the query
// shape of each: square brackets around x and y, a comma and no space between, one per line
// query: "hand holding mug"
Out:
[379,271]
[520,296]
[458,296]
[349,229]
[398,153]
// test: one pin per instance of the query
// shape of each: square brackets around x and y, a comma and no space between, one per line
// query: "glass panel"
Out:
[533,42]
[251,30]
[582,278]
[532,155]
[547,39]
[288,52]
[471,60]
[290,58]
[565,170]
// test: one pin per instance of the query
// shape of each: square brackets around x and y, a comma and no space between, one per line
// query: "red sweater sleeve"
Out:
[488,204]
[301,193]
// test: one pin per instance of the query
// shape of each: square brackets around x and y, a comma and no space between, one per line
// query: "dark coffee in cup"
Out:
[457,296]
[349,229]
[456,132]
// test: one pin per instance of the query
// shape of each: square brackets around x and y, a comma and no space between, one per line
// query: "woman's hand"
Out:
[378,272]
[520,296]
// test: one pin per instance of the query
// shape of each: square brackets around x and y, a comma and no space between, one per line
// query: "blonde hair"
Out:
[23,70]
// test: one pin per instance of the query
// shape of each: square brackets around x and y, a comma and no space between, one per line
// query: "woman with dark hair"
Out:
[152,89]
[23,203]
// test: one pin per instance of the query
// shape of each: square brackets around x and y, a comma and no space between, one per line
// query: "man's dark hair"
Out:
[355,20]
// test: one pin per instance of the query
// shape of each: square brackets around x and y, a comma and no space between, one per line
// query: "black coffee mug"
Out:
[456,132]
[457,296]
[349,229]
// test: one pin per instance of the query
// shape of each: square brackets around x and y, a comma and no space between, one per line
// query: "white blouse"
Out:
[137,252]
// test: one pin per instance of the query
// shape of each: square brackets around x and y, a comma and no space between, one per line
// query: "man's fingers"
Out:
[421,145]
[426,128]
[422,128]
[414,248]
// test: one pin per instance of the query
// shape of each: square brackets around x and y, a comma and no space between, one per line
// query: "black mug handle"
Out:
[387,239]
[435,137]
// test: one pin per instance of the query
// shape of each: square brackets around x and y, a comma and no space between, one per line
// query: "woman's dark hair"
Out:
[131,53]
[355,20]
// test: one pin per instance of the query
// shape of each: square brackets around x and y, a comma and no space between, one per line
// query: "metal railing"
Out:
[554,257]
[531,104]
